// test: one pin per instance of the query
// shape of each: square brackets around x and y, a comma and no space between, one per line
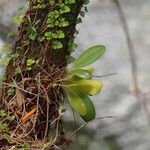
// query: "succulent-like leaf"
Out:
[89,56]
[81,73]
[90,113]
[90,87]
[77,103]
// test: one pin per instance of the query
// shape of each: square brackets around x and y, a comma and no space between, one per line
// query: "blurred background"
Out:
[130,130]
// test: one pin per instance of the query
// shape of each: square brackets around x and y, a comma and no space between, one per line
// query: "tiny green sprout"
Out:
[40,6]
[2,113]
[3,126]
[11,91]
[10,118]
[5,61]
[26,146]
[53,14]
[17,70]
[7,137]
[17,19]
[57,45]
[60,34]
[30,62]
[46,145]
[48,35]
[50,23]
[32,33]
[65,9]
[63,22]
[41,38]
[69,1]
[52,2]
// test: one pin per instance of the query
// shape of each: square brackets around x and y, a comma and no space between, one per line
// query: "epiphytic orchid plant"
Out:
[79,85]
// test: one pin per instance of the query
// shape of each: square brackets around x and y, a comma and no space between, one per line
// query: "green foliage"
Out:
[84,74]
[2,78]
[59,34]
[30,62]
[72,46]
[79,20]
[64,9]
[46,145]
[90,113]
[41,38]
[18,70]
[48,35]
[52,2]
[33,35]
[5,49]
[7,137]
[3,126]
[70,59]
[76,102]
[84,86]
[79,84]
[17,19]
[5,61]
[53,14]
[85,2]
[2,113]
[10,118]
[26,146]
[5,119]
[11,91]
[69,1]
[10,34]
[82,13]
[89,56]
[57,45]
[63,22]
[40,6]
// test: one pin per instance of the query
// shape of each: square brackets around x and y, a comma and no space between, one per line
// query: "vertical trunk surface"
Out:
[37,63]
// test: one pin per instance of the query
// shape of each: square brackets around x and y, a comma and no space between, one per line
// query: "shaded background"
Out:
[101,25]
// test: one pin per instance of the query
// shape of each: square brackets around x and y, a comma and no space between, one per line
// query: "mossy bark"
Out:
[34,87]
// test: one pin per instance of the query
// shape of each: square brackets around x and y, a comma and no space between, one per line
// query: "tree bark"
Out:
[33,84]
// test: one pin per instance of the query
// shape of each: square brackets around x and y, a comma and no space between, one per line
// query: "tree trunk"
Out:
[37,64]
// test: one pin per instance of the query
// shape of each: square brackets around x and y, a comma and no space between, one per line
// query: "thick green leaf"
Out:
[89,56]
[90,113]
[90,87]
[82,104]
[72,79]
[81,73]
[77,103]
